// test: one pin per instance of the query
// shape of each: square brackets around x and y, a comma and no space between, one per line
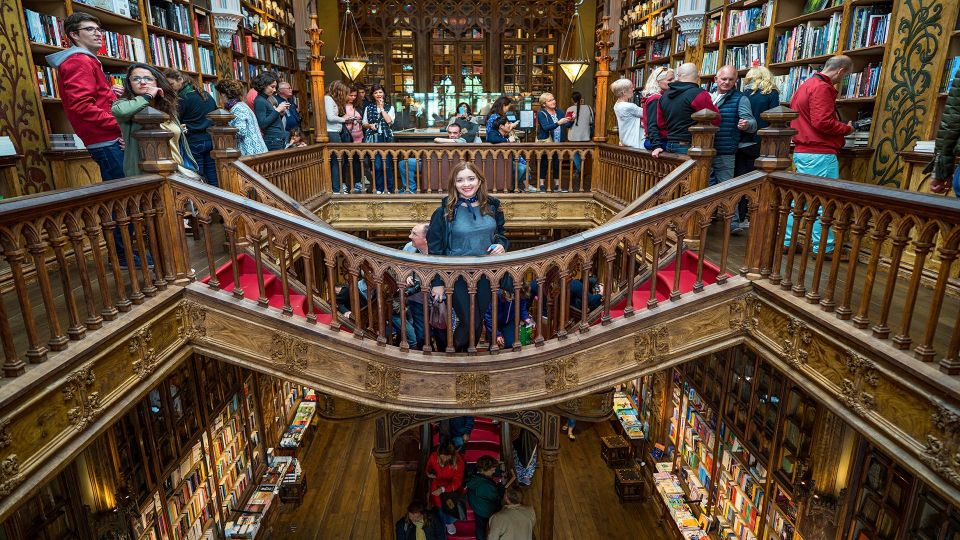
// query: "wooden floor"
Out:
[341,499]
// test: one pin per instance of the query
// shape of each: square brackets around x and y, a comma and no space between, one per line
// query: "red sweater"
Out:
[819,130]
[451,478]
[87,96]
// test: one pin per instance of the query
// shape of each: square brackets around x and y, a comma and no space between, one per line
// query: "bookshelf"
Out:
[740,489]
[189,499]
[652,39]
[165,34]
[234,453]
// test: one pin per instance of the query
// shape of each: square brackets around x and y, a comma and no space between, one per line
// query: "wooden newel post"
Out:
[224,148]
[315,74]
[774,156]
[156,158]
[549,454]
[383,456]
[702,152]
[602,77]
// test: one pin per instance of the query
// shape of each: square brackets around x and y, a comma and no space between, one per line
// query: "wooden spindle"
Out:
[309,276]
[950,364]
[655,266]
[472,317]
[584,296]
[797,211]
[123,224]
[355,310]
[826,221]
[109,311]
[880,329]
[862,318]
[425,294]
[58,341]
[542,293]
[723,275]
[330,263]
[149,289]
[231,233]
[924,351]
[381,309]
[777,240]
[920,249]
[631,278]
[449,300]
[75,330]
[494,313]
[282,248]
[404,346]
[605,318]
[36,351]
[701,252]
[677,259]
[94,320]
[843,310]
[160,259]
[214,282]
[516,315]
[810,216]
[12,365]
[828,303]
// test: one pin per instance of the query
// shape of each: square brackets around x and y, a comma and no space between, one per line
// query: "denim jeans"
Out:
[378,172]
[549,179]
[416,318]
[411,333]
[109,159]
[482,525]
[956,183]
[721,171]
[207,165]
[337,170]
[408,175]
[827,166]
[677,147]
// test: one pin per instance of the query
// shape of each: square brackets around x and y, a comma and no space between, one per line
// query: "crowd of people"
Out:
[669,98]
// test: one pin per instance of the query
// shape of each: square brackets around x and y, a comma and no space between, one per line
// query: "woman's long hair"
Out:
[653,81]
[447,452]
[453,196]
[339,92]
[759,79]
[167,103]
[500,104]
[178,75]
[578,99]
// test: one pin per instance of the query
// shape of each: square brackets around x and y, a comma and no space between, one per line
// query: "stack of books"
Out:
[924,146]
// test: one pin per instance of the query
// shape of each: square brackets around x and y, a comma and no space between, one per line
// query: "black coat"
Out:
[193,109]
[438,236]
[431,526]
[948,136]
[269,120]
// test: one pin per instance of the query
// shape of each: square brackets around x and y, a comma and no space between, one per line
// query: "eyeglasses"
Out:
[144,78]
[92,29]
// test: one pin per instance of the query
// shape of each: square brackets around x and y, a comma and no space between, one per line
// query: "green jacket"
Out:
[484,494]
[124,110]
[948,136]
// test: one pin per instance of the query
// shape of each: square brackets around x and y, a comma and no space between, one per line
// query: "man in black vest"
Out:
[736,115]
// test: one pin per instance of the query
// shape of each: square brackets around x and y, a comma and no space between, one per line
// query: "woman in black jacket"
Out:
[417,517]
[194,105]
[468,223]
[270,113]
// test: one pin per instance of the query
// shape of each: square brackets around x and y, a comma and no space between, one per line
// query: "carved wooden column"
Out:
[383,455]
[224,148]
[602,77]
[549,454]
[315,75]
[702,152]
[155,158]
[774,156]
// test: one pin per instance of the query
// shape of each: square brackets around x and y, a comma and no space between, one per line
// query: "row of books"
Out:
[47,82]
[207,62]
[748,20]
[788,84]
[660,49]
[175,17]
[714,29]
[122,47]
[277,55]
[45,29]
[953,65]
[814,38]
[709,64]
[744,57]
[812,6]
[862,84]
[171,53]
[124,8]
[869,26]
[661,22]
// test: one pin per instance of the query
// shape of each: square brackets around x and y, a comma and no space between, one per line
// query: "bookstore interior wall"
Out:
[164,33]
[904,52]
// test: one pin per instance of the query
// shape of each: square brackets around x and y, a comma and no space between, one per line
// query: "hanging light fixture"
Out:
[351,55]
[573,67]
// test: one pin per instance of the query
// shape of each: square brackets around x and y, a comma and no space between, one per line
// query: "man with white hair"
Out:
[736,115]
[679,102]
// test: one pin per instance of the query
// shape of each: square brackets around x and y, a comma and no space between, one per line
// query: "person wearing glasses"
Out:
[145,87]
[87,94]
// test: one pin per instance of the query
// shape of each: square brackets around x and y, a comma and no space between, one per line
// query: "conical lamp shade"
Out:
[573,69]
[351,67]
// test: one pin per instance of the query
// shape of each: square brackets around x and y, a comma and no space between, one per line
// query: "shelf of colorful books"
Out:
[169,17]
[748,20]
[781,515]
[231,456]
[746,56]
[189,500]
[758,35]
[740,494]
[811,40]
[876,50]
[801,62]
[112,12]
[789,18]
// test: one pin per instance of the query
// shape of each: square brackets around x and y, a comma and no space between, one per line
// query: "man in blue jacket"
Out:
[285,94]
[736,116]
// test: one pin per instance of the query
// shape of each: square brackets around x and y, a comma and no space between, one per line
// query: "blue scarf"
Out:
[461,201]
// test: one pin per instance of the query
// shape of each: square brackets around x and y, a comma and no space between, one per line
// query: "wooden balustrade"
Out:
[624,174]
[610,251]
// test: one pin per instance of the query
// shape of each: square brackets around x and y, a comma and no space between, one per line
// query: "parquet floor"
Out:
[341,499]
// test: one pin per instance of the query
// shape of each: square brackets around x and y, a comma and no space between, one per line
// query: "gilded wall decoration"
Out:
[382,380]
[561,373]
[20,114]
[745,313]
[375,211]
[332,212]
[549,210]
[145,356]
[942,451]
[795,346]
[10,476]
[507,208]
[287,352]
[649,345]
[590,211]
[78,392]
[191,320]
[473,388]
[853,390]
[421,212]
[912,75]
[42,423]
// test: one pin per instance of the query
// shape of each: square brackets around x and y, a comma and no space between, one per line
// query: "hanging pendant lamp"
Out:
[573,67]
[351,55]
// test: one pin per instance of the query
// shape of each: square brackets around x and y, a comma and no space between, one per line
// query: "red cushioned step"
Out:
[481,449]
[481,434]
[465,530]
[688,276]
[297,301]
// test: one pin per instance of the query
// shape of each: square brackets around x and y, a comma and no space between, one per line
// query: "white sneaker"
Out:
[745,224]
[451,529]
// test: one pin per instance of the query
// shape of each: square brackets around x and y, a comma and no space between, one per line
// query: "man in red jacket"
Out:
[87,94]
[820,133]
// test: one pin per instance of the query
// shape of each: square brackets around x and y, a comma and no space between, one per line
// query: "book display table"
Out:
[295,437]
[673,506]
[254,512]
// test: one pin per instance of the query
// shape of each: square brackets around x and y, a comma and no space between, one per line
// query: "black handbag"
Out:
[345,135]
[453,505]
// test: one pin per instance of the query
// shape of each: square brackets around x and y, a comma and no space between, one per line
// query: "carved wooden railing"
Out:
[298,172]
[624,174]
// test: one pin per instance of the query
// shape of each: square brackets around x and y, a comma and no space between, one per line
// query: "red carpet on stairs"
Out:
[484,441]
[272,286]
[688,276]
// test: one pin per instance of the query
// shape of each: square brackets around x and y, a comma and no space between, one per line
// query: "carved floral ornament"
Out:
[942,450]
[795,345]
[853,389]
[745,313]
[561,373]
[287,352]
[191,320]
[651,344]
[141,349]
[78,392]
[473,388]
[382,380]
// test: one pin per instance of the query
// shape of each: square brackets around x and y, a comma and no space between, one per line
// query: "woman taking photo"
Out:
[551,128]
[445,470]
[249,140]
[377,119]
[335,107]
[143,87]
[194,105]
[468,223]
[270,113]
[468,130]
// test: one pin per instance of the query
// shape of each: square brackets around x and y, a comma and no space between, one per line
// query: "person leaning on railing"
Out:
[469,223]
[335,107]
[193,106]
[249,140]
[377,121]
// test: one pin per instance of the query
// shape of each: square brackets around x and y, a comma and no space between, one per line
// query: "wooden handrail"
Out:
[674,185]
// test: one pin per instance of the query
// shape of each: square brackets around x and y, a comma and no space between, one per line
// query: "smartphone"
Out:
[463,110]
[570,115]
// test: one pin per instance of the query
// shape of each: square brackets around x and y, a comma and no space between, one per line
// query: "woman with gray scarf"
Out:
[271,114]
